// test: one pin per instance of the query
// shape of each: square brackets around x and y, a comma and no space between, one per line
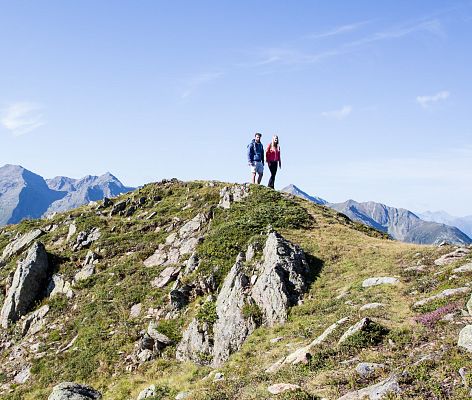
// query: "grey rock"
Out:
[367,369]
[219,376]
[443,294]
[119,207]
[279,388]
[22,376]
[74,391]
[191,264]
[57,286]
[145,355]
[375,392]
[196,344]
[360,326]
[469,306]
[90,258]
[465,338]
[167,275]
[228,195]
[34,322]
[72,231]
[157,259]
[182,395]
[179,298]
[188,245]
[192,226]
[19,244]
[160,340]
[231,328]
[382,280]
[85,273]
[453,256]
[463,268]
[282,281]
[135,310]
[303,354]
[29,283]
[371,306]
[85,239]
[148,392]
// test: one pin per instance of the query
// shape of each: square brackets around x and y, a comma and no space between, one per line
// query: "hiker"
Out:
[273,159]
[255,157]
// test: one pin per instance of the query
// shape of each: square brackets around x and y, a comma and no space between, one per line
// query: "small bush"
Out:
[253,311]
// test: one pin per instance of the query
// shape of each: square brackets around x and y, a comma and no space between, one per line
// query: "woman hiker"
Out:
[273,159]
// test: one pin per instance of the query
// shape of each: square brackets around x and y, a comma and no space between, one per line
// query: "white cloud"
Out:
[338,114]
[197,81]
[22,117]
[426,101]
[337,30]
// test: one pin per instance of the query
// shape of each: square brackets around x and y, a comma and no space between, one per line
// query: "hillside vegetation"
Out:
[147,266]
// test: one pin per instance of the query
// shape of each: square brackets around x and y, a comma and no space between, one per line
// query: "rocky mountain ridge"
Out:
[205,290]
[24,194]
[399,223]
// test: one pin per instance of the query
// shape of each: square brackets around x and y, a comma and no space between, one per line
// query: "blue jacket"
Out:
[255,152]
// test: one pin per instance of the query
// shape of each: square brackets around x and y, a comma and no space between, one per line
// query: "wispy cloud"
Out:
[339,30]
[338,114]
[295,55]
[22,117]
[427,101]
[199,80]
[432,26]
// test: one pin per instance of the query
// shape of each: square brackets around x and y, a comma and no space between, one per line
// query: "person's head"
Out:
[257,137]
[275,141]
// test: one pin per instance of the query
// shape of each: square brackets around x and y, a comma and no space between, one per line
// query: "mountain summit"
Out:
[24,194]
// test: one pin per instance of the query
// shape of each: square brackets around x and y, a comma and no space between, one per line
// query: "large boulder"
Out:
[29,283]
[282,281]
[196,344]
[74,391]
[19,244]
[465,338]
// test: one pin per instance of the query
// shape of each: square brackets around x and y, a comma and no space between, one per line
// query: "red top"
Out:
[272,154]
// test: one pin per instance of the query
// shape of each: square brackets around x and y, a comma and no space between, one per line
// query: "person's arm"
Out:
[250,157]
[280,159]
[266,153]
[262,155]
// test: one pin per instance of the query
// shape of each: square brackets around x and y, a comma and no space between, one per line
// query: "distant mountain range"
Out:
[399,223]
[462,223]
[24,194]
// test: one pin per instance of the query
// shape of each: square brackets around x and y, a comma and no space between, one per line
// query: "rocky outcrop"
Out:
[453,256]
[196,344]
[57,286]
[74,391]
[375,392]
[85,239]
[303,354]
[230,194]
[277,283]
[178,243]
[34,322]
[280,388]
[232,327]
[382,280]
[29,283]
[283,278]
[445,293]
[19,244]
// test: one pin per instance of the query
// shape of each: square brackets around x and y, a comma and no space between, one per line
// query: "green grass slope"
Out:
[416,343]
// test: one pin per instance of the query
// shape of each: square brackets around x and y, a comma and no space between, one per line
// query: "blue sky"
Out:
[371,100]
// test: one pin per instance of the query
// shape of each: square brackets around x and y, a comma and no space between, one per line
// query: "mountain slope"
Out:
[462,223]
[131,281]
[399,223]
[24,194]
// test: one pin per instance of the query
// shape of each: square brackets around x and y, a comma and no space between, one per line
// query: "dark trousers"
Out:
[273,172]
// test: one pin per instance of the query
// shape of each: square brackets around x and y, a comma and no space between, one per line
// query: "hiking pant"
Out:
[273,172]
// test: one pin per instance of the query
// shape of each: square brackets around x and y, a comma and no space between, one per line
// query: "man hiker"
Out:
[255,157]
